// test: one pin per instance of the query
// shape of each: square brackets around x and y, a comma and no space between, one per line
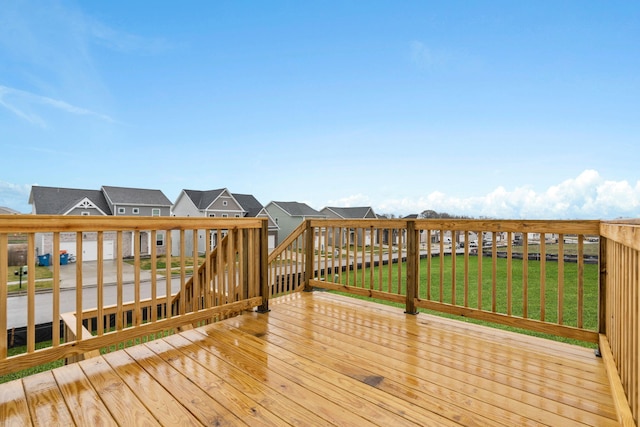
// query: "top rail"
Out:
[57,223]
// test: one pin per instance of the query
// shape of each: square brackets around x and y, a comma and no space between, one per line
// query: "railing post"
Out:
[412,268]
[245,263]
[309,262]
[602,286]
[264,265]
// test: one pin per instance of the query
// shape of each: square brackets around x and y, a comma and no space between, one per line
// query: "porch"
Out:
[187,341]
[322,359]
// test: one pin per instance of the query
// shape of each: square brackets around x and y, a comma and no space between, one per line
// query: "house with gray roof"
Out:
[136,201]
[289,215]
[358,212]
[219,203]
[359,237]
[255,209]
[108,201]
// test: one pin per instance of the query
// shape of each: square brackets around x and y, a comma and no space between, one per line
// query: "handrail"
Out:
[620,303]
[528,274]
[383,259]
[237,278]
[286,263]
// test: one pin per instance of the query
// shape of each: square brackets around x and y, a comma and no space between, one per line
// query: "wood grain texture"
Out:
[318,358]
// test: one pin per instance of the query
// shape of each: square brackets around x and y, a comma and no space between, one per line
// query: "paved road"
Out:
[17,305]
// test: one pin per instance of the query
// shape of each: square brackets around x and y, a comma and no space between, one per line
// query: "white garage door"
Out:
[90,249]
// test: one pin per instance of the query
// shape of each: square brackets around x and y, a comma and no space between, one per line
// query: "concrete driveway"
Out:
[90,274]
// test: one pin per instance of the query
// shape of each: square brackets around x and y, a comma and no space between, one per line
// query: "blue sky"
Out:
[526,109]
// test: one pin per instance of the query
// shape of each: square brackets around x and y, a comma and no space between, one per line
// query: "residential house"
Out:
[219,203]
[289,215]
[363,237]
[255,209]
[108,201]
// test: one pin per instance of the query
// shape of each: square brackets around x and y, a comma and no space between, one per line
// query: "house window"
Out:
[160,239]
[121,211]
[155,212]
[224,203]
[212,215]
[224,215]
[237,215]
[135,211]
[85,213]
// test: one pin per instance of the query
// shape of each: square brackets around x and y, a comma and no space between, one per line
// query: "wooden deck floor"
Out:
[323,359]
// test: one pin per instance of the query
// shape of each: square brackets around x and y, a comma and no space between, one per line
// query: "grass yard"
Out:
[41,274]
[161,263]
[480,290]
[30,371]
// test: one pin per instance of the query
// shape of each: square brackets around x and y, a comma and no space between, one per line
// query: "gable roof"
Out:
[249,203]
[352,212]
[203,199]
[298,209]
[59,201]
[135,196]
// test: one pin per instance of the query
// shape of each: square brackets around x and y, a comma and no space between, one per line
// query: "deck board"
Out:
[324,359]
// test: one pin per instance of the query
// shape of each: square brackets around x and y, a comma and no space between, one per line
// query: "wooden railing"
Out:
[287,263]
[111,311]
[575,279]
[526,274]
[620,300]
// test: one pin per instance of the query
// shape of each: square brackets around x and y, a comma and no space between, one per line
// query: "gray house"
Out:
[288,215]
[108,201]
[358,237]
[220,203]
[255,210]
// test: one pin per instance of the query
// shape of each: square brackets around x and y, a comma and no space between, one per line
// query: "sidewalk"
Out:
[90,274]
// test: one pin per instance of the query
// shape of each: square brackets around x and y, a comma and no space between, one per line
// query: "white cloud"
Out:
[350,201]
[15,196]
[588,196]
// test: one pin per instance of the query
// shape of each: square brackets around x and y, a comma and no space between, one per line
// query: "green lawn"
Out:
[551,295]
[40,273]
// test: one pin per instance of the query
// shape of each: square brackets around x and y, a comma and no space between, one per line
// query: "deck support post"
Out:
[264,266]
[412,267]
[309,261]
[602,289]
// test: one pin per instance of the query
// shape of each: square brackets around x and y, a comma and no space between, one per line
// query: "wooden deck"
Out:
[323,359]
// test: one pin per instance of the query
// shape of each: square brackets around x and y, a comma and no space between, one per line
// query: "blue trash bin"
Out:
[43,260]
[64,259]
